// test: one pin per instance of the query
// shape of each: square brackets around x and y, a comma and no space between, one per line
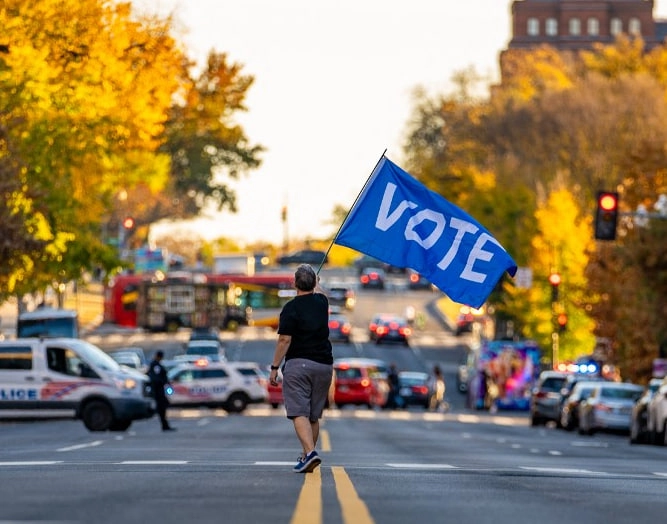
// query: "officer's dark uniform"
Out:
[158,377]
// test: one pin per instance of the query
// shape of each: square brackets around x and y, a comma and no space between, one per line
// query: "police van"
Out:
[73,375]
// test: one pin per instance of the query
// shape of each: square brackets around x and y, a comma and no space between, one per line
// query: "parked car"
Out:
[570,383]
[211,349]
[360,382]
[340,328]
[343,296]
[372,278]
[228,385]
[468,317]
[390,328]
[414,389]
[608,407]
[569,414]
[365,261]
[545,397]
[417,281]
[639,433]
[304,256]
[656,415]
[274,393]
[205,333]
[132,356]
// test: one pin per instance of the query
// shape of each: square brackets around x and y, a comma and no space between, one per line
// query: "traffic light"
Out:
[606,215]
[561,319]
[554,280]
[128,223]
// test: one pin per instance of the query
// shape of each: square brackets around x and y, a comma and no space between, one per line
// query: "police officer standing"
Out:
[158,377]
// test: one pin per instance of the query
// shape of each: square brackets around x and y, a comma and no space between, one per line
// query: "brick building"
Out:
[578,24]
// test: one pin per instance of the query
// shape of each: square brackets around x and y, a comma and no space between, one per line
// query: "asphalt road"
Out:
[390,467]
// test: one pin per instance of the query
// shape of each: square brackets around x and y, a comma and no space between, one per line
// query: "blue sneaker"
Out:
[308,463]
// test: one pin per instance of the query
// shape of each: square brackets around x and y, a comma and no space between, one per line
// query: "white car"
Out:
[210,349]
[227,385]
[656,416]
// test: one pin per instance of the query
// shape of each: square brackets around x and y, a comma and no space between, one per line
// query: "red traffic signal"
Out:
[606,215]
[128,223]
[554,279]
[562,321]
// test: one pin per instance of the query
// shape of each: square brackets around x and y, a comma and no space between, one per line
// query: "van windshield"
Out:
[95,356]
[50,327]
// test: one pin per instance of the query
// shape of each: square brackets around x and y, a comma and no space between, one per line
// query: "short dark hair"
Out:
[305,278]
[159,354]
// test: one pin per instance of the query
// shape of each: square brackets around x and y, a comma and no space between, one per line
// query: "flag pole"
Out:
[349,211]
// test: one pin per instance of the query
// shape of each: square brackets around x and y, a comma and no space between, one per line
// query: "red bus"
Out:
[144,301]
[259,297]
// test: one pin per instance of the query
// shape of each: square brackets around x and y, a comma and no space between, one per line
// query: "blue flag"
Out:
[398,220]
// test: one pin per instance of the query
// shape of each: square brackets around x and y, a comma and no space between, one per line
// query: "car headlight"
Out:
[126,383]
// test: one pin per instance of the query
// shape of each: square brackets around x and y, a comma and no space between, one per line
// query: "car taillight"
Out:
[373,327]
[333,324]
[365,382]
[420,390]
[406,331]
[414,278]
[381,330]
[602,407]
[364,279]
[345,329]
[540,394]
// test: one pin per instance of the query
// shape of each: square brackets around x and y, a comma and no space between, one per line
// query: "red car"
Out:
[360,382]
[274,393]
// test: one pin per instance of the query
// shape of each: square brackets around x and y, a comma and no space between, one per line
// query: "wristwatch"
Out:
[275,368]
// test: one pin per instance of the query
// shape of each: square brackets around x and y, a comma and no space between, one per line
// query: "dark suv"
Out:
[305,256]
[546,397]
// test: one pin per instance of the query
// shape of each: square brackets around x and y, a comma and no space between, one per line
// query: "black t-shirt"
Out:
[306,319]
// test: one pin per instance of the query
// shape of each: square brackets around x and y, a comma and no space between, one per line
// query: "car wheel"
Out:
[237,403]
[120,425]
[97,416]
[275,405]
[535,420]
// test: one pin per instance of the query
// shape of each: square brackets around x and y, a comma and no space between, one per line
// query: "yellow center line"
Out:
[354,509]
[325,442]
[309,505]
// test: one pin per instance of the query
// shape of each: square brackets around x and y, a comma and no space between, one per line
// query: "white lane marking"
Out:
[660,474]
[587,444]
[153,462]
[82,446]
[564,470]
[422,466]
[555,453]
[32,463]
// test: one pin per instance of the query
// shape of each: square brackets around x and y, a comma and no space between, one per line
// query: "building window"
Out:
[593,26]
[635,27]
[575,26]
[616,26]
[533,27]
[551,27]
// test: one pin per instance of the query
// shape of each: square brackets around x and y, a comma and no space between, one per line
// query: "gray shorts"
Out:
[306,388]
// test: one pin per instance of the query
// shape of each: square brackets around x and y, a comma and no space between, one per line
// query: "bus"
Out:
[223,301]
[48,322]
[502,373]
[259,297]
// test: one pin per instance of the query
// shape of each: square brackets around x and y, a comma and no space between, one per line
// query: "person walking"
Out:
[393,398]
[158,380]
[303,342]
[438,396]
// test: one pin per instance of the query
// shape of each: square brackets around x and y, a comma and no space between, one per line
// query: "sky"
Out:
[333,90]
